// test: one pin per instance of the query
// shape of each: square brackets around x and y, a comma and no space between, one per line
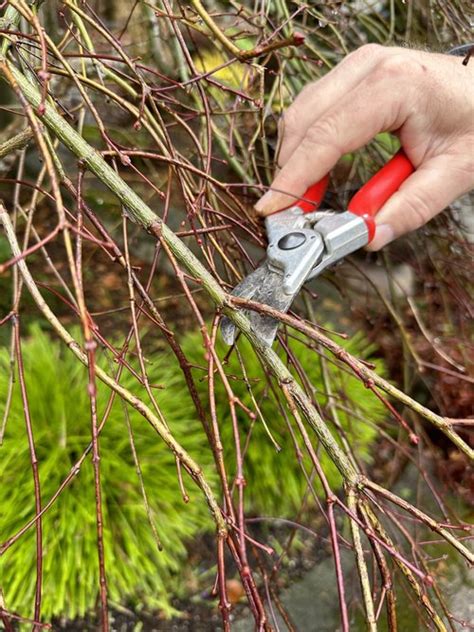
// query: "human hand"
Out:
[427,99]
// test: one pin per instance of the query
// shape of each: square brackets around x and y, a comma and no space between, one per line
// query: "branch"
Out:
[368,376]
[18,141]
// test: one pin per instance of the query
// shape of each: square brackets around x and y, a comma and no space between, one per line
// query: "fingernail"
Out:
[384,234]
[264,206]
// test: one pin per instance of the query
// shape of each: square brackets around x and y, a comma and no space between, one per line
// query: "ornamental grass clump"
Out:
[137,571]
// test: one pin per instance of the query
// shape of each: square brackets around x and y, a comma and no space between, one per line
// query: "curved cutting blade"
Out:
[264,286]
[245,289]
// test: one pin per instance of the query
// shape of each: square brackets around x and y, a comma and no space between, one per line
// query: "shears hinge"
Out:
[342,234]
[299,250]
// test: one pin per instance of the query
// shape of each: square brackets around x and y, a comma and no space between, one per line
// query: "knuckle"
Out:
[398,65]
[322,132]
[306,91]
[367,52]
[417,209]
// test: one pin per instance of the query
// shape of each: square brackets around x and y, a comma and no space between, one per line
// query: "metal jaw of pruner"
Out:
[301,245]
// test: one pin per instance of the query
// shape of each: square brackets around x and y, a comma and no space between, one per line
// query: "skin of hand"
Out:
[426,99]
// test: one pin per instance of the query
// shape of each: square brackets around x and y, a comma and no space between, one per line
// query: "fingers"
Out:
[368,109]
[316,98]
[422,196]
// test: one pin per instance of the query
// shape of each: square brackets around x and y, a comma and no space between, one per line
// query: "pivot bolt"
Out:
[292,241]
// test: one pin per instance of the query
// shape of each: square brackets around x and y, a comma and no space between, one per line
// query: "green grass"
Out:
[136,570]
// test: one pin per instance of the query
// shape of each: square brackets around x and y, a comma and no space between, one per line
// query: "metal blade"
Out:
[271,293]
[264,286]
[245,289]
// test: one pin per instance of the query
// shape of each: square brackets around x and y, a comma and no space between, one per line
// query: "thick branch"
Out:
[18,141]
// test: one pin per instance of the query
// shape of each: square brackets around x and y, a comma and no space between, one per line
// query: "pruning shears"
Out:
[302,242]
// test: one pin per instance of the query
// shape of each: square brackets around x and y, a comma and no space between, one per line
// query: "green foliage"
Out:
[275,482]
[137,571]
[59,405]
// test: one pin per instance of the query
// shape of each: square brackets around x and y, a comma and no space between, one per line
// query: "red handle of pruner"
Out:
[368,201]
[313,196]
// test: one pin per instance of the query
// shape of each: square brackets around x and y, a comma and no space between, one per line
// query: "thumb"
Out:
[431,188]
